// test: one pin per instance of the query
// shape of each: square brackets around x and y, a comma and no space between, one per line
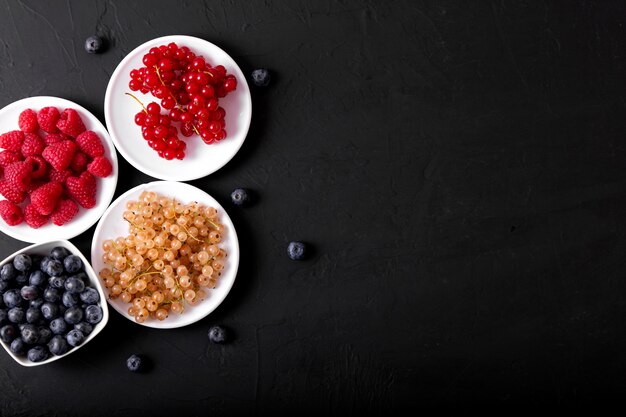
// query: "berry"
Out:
[53,268]
[50,311]
[60,154]
[261,77]
[30,334]
[18,346]
[8,157]
[8,333]
[84,327]
[218,334]
[44,334]
[11,213]
[240,197]
[16,315]
[59,253]
[18,175]
[29,292]
[90,296]
[37,278]
[75,337]
[27,121]
[38,354]
[100,167]
[33,145]
[93,44]
[33,315]
[47,119]
[70,123]
[64,212]
[7,272]
[73,315]
[74,284]
[34,218]
[12,140]
[38,166]
[70,299]
[82,189]
[296,251]
[72,263]
[46,197]
[58,326]
[93,314]
[134,363]
[59,176]
[22,262]
[57,282]
[79,162]
[51,294]
[51,138]
[58,345]
[90,143]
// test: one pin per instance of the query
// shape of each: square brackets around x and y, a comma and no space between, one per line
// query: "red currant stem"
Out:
[138,101]
[208,73]
[172,95]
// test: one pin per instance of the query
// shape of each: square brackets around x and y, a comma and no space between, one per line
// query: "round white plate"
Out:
[105,186]
[112,225]
[201,159]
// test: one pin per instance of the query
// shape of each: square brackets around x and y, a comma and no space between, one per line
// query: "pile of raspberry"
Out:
[188,89]
[48,168]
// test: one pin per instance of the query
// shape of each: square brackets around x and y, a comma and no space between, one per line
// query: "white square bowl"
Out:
[44,249]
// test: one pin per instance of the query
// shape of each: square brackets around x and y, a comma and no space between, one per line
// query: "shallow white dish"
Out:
[44,249]
[105,186]
[201,159]
[112,225]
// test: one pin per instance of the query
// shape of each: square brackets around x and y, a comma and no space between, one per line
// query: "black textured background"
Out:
[458,165]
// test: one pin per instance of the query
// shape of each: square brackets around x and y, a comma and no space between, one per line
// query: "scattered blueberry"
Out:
[51,295]
[29,293]
[75,337]
[261,77]
[58,326]
[12,298]
[22,262]
[30,334]
[90,296]
[37,278]
[58,345]
[84,327]
[72,263]
[59,253]
[74,315]
[53,268]
[18,346]
[7,333]
[240,197]
[57,282]
[50,311]
[33,315]
[69,299]
[37,354]
[16,315]
[296,251]
[93,314]
[218,334]
[37,303]
[93,44]
[45,334]
[74,284]
[7,272]
[134,363]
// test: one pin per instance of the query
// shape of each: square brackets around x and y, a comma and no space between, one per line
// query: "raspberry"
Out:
[34,185]
[59,176]
[12,140]
[70,123]
[10,193]
[28,121]
[47,119]
[51,138]
[60,154]
[17,175]
[11,213]
[46,197]
[8,157]
[79,162]
[33,145]
[38,165]
[33,218]
[82,189]
[90,143]
[100,167]
[64,212]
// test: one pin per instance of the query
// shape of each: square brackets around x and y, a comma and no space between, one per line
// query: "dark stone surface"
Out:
[458,166]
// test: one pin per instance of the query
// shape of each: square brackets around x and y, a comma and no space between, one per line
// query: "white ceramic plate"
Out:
[105,186]
[112,225]
[44,249]
[201,159]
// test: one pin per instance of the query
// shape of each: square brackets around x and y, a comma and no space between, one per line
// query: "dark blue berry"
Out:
[58,345]
[18,346]
[74,315]
[38,354]
[74,284]
[134,363]
[51,295]
[261,77]
[30,334]
[84,327]
[59,253]
[93,44]
[16,315]
[57,282]
[93,314]
[21,279]
[90,296]
[69,299]
[75,337]
[8,333]
[44,262]
[45,334]
[50,311]
[7,272]
[72,263]
[240,197]
[296,251]
[29,293]
[12,298]
[22,262]
[33,315]
[3,317]
[37,303]
[58,326]
[218,334]
[53,268]
[37,278]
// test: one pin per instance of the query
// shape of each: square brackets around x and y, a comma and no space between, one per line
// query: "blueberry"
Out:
[22,262]
[37,278]
[21,279]
[134,363]
[72,263]
[90,296]
[18,346]
[296,251]
[37,354]
[58,345]
[3,317]
[7,333]
[30,334]
[51,295]
[58,326]
[33,315]
[84,327]
[44,262]
[37,303]
[50,311]
[7,272]
[69,299]
[12,298]
[29,293]
[74,284]
[75,337]
[218,334]
[59,253]
[93,44]
[261,77]
[45,334]
[53,268]
[74,315]
[16,315]
[240,197]
[93,314]
[57,282]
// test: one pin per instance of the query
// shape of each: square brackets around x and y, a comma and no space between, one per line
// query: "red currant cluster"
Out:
[189,90]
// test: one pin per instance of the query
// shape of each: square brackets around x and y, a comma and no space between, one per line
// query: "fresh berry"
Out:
[54,268]
[100,167]
[73,315]
[33,145]
[82,189]
[70,123]
[46,197]
[10,193]
[93,44]
[50,311]
[64,212]
[8,157]
[134,363]
[93,314]
[18,346]
[12,298]
[60,154]
[47,119]
[218,334]
[58,345]
[16,315]
[58,253]
[51,138]
[38,353]
[59,176]
[38,165]
[70,299]
[37,278]
[18,175]
[90,296]
[29,292]
[8,333]
[240,197]
[11,213]
[27,121]
[7,272]
[22,262]
[90,143]
[51,295]
[74,285]
[75,337]
[33,314]
[79,162]
[30,334]
[72,264]
[34,218]
[296,251]
[12,140]
[261,77]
